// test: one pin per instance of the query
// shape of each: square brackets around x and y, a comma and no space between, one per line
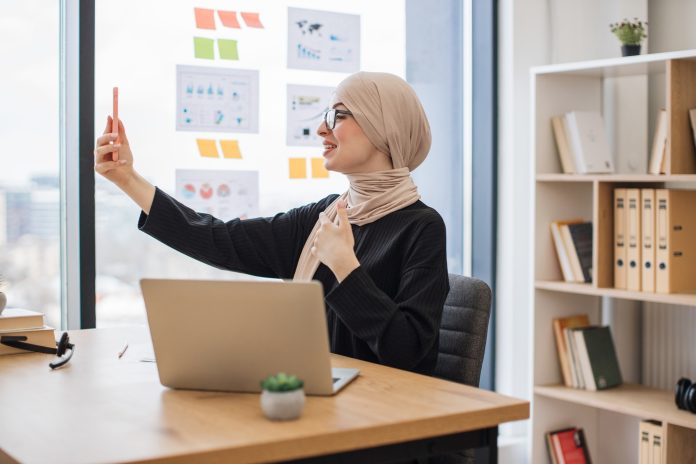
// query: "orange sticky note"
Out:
[230,149]
[229,19]
[205,18]
[252,19]
[298,168]
[318,169]
[207,148]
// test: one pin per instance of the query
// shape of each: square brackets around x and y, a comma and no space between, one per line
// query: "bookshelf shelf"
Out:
[552,177]
[618,89]
[631,399]
[588,289]
[639,65]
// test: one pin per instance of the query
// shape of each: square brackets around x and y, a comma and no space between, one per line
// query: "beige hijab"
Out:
[390,114]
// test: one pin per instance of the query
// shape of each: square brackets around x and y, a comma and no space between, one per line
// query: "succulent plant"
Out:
[281,382]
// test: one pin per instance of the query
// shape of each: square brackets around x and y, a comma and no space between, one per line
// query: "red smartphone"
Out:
[114,122]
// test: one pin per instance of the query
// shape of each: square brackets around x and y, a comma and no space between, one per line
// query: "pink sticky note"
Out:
[229,19]
[252,19]
[205,18]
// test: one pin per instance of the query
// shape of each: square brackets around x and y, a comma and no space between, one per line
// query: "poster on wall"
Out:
[217,99]
[306,106]
[225,194]
[323,41]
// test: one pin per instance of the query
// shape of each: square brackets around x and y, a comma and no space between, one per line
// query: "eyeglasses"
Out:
[330,117]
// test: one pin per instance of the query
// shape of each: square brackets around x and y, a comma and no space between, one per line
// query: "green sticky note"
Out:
[228,49]
[204,48]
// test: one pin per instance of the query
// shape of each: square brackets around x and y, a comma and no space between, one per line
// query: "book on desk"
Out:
[24,322]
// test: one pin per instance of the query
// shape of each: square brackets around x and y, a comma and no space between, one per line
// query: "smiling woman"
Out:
[377,249]
[288,174]
[346,148]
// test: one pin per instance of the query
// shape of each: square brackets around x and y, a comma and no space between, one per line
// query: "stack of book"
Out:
[23,322]
[582,143]
[654,240]
[586,354]
[573,243]
[567,446]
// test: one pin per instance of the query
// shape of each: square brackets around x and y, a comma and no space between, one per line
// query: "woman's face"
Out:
[347,149]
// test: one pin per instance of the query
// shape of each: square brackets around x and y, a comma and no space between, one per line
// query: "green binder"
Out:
[602,356]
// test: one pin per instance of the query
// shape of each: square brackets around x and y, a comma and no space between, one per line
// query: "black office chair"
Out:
[463,330]
[463,341]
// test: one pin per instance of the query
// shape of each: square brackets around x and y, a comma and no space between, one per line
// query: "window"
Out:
[30,166]
[149,61]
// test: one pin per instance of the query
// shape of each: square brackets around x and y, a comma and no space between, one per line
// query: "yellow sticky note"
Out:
[318,169]
[207,148]
[230,149]
[298,168]
[204,48]
[205,18]
[228,49]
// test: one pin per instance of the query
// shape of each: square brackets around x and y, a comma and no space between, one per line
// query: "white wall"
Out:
[665,18]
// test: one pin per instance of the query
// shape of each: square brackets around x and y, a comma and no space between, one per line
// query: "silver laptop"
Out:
[229,335]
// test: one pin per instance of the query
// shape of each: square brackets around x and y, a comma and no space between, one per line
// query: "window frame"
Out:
[77,235]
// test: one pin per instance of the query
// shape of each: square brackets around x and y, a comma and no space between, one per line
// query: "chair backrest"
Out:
[463,330]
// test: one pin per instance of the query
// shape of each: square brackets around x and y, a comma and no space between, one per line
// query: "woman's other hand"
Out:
[334,243]
[118,169]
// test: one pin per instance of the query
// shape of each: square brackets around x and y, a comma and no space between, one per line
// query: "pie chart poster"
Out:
[223,194]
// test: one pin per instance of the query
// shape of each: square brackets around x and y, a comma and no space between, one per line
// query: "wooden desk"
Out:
[103,409]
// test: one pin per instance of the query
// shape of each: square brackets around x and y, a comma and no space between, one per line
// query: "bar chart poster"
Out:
[306,107]
[224,194]
[323,40]
[217,99]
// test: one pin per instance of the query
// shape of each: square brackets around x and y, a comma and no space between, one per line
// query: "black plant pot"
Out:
[630,50]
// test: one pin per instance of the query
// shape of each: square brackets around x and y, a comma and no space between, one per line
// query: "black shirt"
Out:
[388,310]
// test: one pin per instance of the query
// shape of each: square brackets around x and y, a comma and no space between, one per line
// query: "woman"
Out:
[377,249]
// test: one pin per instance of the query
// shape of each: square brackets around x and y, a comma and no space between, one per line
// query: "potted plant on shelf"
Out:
[631,34]
[282,397]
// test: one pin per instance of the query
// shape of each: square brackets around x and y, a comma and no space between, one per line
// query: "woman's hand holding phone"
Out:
[113,158]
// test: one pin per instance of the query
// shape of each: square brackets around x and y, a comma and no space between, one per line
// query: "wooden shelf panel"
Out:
[588,289]
[615,178]
[631,399]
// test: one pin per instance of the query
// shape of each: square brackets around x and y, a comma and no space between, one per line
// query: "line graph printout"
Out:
[306,106]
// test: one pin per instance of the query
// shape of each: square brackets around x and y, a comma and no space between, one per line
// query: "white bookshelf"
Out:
[610,418]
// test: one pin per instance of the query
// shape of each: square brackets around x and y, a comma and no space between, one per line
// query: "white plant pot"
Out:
[3,301]
[282,405]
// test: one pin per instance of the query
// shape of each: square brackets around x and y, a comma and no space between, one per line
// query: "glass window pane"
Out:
[143,60]
[29,166]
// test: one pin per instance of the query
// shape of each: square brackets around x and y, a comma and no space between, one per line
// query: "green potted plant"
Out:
[282,397]
[631,34]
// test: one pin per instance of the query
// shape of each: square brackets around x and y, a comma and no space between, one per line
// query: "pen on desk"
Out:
[120,353]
